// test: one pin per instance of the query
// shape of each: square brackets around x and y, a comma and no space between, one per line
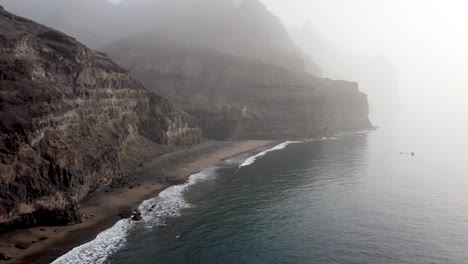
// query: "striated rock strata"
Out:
[236,97]
[67,116]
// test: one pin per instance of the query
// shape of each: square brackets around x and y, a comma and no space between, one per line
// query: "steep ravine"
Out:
[67,116]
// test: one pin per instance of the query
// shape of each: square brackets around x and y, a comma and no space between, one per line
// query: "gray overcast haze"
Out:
[425,40]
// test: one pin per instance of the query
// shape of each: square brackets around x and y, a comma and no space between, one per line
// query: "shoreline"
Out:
[101,208]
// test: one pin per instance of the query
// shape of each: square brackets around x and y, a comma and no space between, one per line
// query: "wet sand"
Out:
[100,210]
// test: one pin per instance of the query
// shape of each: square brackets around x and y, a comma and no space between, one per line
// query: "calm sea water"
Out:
[352,199]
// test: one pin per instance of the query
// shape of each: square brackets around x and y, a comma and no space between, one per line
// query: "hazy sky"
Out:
[427,40]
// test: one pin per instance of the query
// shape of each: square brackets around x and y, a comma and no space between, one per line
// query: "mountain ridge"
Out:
[244,28]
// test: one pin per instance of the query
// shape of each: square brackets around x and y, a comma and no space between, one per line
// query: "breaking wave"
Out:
[168,203]
[251,160]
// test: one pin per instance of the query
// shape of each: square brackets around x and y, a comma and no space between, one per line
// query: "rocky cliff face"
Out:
[67,115]
[235,97]
[376,75]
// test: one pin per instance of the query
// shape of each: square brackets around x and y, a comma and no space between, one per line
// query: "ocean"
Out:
[353,198]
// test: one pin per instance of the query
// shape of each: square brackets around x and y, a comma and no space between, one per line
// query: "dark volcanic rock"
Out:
[67,116]
[125,214]
[23,245]
[68,215]
[4,256]
[137,216]
[235,97]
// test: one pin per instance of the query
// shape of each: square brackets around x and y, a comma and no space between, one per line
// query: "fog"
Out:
[409,56]
[426,41]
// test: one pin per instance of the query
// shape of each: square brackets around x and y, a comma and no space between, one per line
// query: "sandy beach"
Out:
[101,209]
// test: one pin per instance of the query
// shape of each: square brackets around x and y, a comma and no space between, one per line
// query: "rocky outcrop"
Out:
[67,115]
[235,97]
[4,256]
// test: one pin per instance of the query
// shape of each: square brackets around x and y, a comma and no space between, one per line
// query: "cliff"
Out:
[89,21]
[235,97]
[376,74]
[67,117]
[246,28]
[237,27]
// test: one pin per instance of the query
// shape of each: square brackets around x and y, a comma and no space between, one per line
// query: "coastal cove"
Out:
[352,198]
[233,132]
[73,121]
[102,208]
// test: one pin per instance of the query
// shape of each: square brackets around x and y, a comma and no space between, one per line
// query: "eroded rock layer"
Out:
[235,97]
[67,114]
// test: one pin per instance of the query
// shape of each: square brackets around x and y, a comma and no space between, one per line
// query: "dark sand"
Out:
[101,209]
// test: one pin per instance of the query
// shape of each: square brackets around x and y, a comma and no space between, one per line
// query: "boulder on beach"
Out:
[4,256]
[125,214]
[137,216]
[23,245]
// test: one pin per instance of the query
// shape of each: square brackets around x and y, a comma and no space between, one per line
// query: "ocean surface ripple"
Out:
[354,198]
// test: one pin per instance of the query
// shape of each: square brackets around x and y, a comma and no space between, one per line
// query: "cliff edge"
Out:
[236,98]
[67,115]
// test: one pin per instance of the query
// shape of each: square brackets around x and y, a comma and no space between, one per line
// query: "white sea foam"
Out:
[251,160]
[168,203]
[234,161]
[98,250]
[355,132]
